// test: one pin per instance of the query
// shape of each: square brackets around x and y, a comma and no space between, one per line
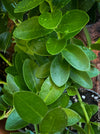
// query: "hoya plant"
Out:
[48,66]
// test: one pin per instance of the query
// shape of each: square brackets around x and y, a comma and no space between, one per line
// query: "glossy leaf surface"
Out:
[59,71]
[30,29]
[76,58]
[73,117]
[26,5]
[50,92]
[54,121]
[50,20]
[82,78]
[69,25]
[55,46]
[15,122]
[29,106]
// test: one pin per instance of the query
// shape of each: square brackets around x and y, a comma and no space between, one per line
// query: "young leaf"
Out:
[44,7]
[30,29]
[62,101]
[50,92]
[69,25]
[76,57]
[54,121]
[15,122]
[55,46]
[82,78]
[59,71]
[30,107]
[26,5]
[50,20]
[73,117]
[93,72]
[43,71]
[31,81]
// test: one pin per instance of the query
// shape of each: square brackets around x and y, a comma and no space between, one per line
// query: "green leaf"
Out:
[71,91]
[30,107]
[73,117]
[69,25]
[44,7]
[11,70]
[30,29]
[15,122]
[9,5]
[57,4]
[26,5]
[59,71]
[77,42]
[31,81]
[50,20]
[55,46]
[38,46]
[94,109]
[76,57]
[43,71]
[11,84]
[62,101]
[91,55]
[50,92]
[54,121]
[82,78]
[19,59]
[19,80]
[93,72]
[5,40]
[3,105]
[96,45]
[79,129]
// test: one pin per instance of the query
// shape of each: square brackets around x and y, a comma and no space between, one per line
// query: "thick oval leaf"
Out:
[44,7]
[38,46]
[26,5]
[82,78]
[76,57]
[29,106]
[93,72]
[69,25]
[29,68]
[62,101]
[43,71]
[55,46]
[73,117]
[15,122]
[30,29]
[71,91]
[50,20]
[12,86]
[50,92]
[54,121]
[59,71]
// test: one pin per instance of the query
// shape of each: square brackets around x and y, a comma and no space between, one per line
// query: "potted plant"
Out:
[48,66]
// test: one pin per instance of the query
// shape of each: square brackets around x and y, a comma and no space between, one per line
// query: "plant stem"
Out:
[50,4]
[58,34]
[5,60]
[83,107]
[3,82]
[36,128]
[87,36]
[84,110]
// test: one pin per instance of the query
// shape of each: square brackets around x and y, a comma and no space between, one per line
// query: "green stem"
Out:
[5,60]
[50,4]
[36,128]
[3,82]
[83,107]
[87,36]
[58,34]
[84,110]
